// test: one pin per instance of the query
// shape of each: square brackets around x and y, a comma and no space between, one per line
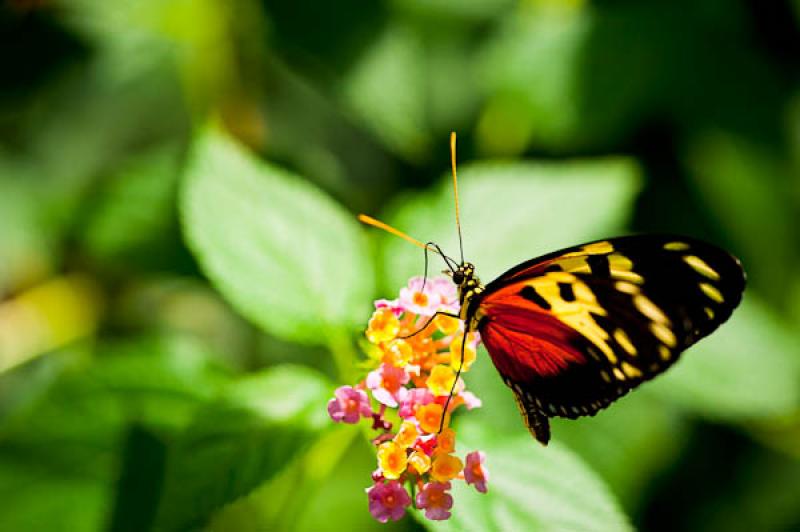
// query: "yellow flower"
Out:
[441,380]
[447,325]
[430,416]
[383,326]
[445,467]
[407,435]
[392,459]
[469,352]
[397,353]
[420,461]
[446,441]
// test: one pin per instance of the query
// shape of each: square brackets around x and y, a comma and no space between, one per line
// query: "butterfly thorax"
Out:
[469,285]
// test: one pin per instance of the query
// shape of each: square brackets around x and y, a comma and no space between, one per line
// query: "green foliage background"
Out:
[183,282]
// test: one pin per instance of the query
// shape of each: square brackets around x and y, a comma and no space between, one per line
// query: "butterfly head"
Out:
[463,274]
[466,281]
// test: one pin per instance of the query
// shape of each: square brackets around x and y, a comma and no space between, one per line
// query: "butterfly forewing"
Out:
[572,331]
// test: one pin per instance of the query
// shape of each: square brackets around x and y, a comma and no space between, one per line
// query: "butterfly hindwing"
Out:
[572,331]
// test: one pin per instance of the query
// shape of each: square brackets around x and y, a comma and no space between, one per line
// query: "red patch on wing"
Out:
[524,340]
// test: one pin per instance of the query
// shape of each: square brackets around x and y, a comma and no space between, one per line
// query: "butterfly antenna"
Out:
[455,191]
[369,220]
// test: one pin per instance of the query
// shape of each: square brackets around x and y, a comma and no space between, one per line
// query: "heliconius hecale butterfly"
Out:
[573,330]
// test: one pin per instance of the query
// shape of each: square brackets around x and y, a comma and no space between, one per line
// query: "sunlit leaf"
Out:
[284,254]
[749,368]
[511,212]
[255,430]
[531,488]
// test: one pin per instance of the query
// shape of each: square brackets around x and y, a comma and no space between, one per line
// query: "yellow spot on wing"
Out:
[576,314]
[700,266]
[649,309]
[664,333]
[575,264]
[676,246]
[664,352]
[712,292]
[621,267]
[631,371]
[598,248]
[618,374]
[623,340]
[626,287]
[709,313]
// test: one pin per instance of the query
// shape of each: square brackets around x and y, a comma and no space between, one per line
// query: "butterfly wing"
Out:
[574,330]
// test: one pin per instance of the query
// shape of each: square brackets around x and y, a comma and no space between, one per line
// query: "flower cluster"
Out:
[414,362]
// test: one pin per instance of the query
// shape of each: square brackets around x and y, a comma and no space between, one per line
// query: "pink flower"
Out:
[392,304]
[387,384]
[434,499]
[448,294]
[349,405]
[438,294]
[415,398]
[388,501]
[471,400]
[475,471]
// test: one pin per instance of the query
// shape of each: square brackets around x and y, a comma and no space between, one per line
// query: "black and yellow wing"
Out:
[574,330]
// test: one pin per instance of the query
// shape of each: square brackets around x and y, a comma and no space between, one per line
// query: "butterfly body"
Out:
[572,331]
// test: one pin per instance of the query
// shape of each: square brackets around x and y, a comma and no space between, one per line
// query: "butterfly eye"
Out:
[458,277]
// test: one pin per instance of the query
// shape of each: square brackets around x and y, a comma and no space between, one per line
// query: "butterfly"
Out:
[574,330]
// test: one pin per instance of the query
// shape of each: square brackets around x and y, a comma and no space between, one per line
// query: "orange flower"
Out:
[407,435]
[441,380]
[446,441]
[397,353]
[445,467]
[430,416]
[383,326]
[447,325]
[420,461]
[392,459]
[470,353]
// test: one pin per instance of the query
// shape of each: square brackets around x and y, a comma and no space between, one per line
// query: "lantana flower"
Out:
[413,365]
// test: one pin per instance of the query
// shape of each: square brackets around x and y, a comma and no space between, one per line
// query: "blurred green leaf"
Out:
[511,212]
[749,368]
[386,91]
[284,254]
[255,430]
[135,214]
[58,456]
[27,243]
[531,488]
[735,176]
[531,70]
[628,444]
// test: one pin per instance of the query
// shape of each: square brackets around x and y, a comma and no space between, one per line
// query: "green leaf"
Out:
[284,254]
[762,191]
[511,212]
[260,424]
[531,488]
[58,457]
[637,429]
[749,368]
[134,218]
[386,91]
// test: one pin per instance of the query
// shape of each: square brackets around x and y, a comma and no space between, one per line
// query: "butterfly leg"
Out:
[430,320]
[455,382]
